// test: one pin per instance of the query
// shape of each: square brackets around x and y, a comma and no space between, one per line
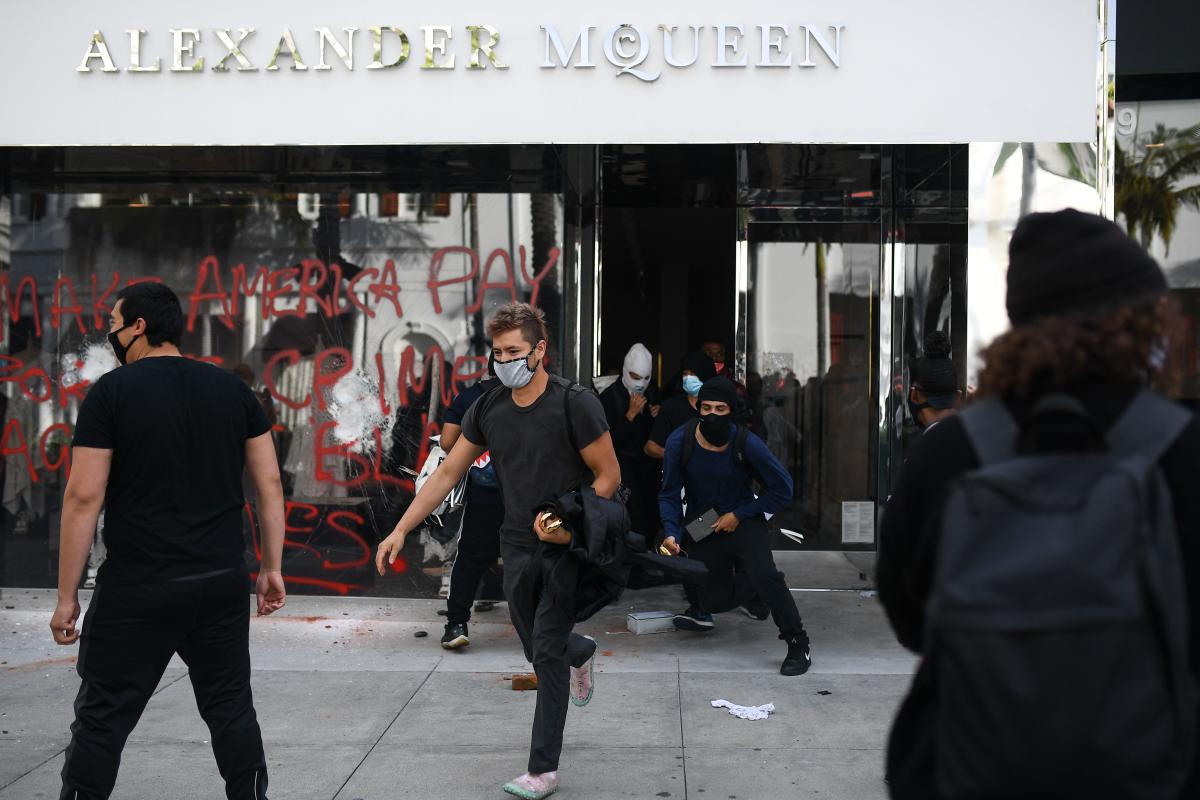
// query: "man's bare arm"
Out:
[440,484]
[601,459]
[82,502]
[263,467]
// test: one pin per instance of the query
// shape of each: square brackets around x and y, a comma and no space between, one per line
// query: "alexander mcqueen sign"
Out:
[624,46]
[312,72]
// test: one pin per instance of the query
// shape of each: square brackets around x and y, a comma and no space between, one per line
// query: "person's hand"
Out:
[389,548]
[272,594]
[559,536]
[62,623]
[637,401]
[726,524]
[671,545]
[654,410]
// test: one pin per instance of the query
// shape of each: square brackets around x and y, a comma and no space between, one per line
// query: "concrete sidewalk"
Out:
[352,705]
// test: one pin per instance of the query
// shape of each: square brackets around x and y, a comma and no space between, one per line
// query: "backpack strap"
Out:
[689,442]
[991,430]
[572,389]
[1149,426]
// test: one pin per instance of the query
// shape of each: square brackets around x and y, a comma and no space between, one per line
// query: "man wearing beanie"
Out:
[933,393]
[1071,383]
[716,464]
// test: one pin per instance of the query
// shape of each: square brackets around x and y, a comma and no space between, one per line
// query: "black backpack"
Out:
[1057,631]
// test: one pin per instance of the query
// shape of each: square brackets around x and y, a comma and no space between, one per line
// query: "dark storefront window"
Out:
[348,288]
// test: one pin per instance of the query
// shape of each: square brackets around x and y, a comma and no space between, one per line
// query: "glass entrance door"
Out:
[807,338]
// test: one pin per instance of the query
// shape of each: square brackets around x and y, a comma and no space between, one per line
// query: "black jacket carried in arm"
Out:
[590,572]
[908,545]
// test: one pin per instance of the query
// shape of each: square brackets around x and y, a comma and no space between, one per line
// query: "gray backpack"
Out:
[1057,630]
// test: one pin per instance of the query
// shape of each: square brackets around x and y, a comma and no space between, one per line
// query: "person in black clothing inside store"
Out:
[697,368]
[631,405]
[479,543]
[716,476]
[933,394]
[546,437]
[160,444]
[1091,320]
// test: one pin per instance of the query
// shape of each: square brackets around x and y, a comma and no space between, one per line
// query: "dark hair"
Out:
[1126,346]
[520,316]
[935,372]
[158,306]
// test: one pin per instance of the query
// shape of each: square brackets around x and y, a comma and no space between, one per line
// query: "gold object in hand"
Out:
[551,522]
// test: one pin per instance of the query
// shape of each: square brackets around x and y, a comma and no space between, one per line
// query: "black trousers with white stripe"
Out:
[128,637]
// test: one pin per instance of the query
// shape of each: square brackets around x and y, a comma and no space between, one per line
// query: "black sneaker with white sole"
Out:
[799,655]
[455,636]
[694,620]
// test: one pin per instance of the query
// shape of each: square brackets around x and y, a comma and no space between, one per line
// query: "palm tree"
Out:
[1149,193]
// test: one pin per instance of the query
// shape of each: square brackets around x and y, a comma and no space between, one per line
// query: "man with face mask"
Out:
[934,394]
[631,405]
[160,444]
[697,368]
[539,453]
[716,476]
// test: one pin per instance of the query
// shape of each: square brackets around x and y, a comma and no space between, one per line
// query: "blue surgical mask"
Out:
[692,384]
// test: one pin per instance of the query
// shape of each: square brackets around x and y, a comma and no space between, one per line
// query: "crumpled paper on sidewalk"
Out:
[746,712]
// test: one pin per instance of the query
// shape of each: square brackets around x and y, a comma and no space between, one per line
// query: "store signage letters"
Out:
[629,48]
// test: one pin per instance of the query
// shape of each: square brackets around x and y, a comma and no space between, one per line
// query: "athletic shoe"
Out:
[799,656]
[533,787]
[455,636]
[694,620]
[583,679]
[756,610]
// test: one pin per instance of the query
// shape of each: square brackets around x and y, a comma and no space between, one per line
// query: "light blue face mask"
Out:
[692,384]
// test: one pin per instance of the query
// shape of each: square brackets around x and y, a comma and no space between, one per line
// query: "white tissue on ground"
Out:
[745,712]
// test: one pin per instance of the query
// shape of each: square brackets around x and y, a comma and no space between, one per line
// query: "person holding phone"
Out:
[717,472]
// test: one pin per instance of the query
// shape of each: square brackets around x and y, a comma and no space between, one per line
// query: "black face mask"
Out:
[121,350]
[715,428]
[915,409]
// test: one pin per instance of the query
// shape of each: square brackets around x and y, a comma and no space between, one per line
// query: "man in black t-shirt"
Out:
[539,454]
[479,542]
[160,445]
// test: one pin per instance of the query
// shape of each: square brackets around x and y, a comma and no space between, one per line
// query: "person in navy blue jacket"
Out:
[715,475]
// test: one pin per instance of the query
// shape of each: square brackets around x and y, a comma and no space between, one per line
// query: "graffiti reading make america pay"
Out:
[294,291]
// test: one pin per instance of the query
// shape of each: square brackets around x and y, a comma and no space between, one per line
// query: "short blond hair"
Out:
[519,316]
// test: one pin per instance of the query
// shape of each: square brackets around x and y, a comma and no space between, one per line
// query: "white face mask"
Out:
[637,360]
[634,387]
[515,373]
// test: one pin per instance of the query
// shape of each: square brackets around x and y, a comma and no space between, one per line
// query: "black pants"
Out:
[555,648]
[643,478]
[478,549]
[727,589]
[127,639]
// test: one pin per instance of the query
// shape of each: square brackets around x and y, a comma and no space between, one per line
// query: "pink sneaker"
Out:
[583,680]
[533,787]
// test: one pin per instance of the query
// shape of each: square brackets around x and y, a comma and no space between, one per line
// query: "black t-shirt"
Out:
[178,431]
[532,452]
[629,438]
[481,480]
[674,412]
